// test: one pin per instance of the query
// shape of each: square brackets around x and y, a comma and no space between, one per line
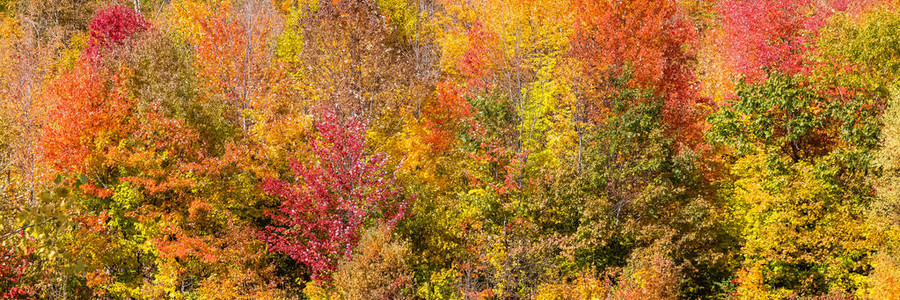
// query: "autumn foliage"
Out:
[650,42]
[114,26]
[345,190]
[449,149]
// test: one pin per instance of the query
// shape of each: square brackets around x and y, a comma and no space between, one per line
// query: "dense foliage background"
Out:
[450,149]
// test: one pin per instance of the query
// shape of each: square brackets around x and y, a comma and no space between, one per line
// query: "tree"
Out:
[113,26]
[650,42]
[321,218]
[797,174]
[765,36]
[144,151]
[378,269]
[251,81]
[342,56]
[884,214]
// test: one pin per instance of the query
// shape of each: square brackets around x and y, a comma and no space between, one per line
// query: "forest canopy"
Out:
[449,149]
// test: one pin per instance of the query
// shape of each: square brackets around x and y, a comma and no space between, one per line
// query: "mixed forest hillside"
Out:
[449,149]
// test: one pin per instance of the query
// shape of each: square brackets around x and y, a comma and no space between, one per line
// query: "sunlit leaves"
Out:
[113,26]
[803,237]
[504,149]
[88,110]
[650,42]
[344,191]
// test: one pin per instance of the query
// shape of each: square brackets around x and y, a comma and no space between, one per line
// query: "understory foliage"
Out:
[449,149]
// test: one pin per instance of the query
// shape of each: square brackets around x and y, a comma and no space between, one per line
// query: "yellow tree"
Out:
[249,80]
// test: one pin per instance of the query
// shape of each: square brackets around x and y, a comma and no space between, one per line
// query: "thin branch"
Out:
[23,228]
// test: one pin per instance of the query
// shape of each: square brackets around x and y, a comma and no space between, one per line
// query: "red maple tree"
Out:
[653,43]
[323,214]
[766,36]
[114,26]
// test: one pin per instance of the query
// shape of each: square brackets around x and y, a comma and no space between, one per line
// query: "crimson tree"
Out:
[113,26]
[322,215]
